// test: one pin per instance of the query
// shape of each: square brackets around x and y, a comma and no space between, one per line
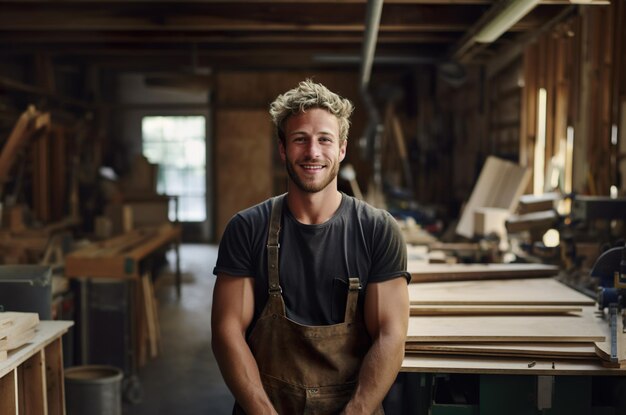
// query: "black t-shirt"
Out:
[315,261]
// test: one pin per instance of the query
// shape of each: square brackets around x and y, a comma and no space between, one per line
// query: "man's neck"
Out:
[313,208]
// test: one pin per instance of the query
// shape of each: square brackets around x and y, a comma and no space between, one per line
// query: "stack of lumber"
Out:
[532,319]
[16,329]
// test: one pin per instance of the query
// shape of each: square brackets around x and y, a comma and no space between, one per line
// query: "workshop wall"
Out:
[580,65]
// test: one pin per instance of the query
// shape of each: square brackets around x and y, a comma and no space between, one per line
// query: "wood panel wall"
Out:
[580,64]
[243,161]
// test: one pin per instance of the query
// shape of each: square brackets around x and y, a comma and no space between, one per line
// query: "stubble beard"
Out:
[311,187]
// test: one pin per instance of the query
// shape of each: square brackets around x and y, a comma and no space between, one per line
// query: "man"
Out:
[310,307]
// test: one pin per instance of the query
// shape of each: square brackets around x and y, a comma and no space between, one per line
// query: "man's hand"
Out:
[386,319]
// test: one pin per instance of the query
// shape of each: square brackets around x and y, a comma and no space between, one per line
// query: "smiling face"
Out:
[312,150]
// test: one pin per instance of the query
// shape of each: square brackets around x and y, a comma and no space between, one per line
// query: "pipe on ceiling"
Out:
[371,140]
[372,24]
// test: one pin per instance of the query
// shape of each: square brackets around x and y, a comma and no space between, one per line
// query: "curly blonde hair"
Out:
[306,95]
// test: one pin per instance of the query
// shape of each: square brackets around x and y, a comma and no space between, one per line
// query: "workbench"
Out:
[31,379]
[495,386]
[456,376]
[117,315]
[121,257]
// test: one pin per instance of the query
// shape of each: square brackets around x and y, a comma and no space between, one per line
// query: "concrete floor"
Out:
[184,379]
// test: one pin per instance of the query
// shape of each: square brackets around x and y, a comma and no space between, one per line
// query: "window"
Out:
[177,144]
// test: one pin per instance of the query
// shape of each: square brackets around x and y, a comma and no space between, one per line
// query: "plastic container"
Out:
[26,288]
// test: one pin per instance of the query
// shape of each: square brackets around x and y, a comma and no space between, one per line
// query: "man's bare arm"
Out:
[386,319]
[233,309]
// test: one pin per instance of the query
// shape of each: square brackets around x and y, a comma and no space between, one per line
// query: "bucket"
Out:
[93,390]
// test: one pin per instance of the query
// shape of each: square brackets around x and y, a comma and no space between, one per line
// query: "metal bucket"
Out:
[93,390]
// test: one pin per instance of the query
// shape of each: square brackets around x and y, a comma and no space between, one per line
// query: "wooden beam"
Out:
[229,17]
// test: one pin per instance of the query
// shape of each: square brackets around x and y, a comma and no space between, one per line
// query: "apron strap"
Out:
[353,298]
[275,300]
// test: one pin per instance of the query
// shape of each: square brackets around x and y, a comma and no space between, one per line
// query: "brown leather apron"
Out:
[306,369]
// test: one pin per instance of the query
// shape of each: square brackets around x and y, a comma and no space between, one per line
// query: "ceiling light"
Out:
[510,14]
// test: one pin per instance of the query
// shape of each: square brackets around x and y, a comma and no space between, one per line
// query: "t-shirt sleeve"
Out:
[389,253]
[235,250]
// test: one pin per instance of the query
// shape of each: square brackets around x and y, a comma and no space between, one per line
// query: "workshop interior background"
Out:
[131,127]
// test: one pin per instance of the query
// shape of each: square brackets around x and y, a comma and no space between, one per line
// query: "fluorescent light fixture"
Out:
[540,143]
[503,21]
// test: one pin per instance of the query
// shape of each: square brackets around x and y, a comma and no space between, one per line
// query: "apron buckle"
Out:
[275,289]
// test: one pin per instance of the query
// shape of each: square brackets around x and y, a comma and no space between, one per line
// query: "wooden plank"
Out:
[603,349]
[508,366]
[46,333]
[55,384]
[155,313]
[20,322]
[421,272]
[451,310]
[503,329]
[17,139]
[8,393]
[148,312]
[545,291]
[499,185]
[141,327]
[545,350]
[58,172]
[41,178]
[18,340]
[534,220]
[32,396]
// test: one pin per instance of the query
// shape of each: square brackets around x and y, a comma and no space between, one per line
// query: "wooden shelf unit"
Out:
[31,379]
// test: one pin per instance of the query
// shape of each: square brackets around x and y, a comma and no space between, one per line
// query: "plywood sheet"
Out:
[499,185]
[509,366]
[504,329]
[544,291]
[546,350]
[456,310]
[421,272]
[603,349]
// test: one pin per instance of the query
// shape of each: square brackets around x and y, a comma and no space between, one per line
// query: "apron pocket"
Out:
[328,400]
